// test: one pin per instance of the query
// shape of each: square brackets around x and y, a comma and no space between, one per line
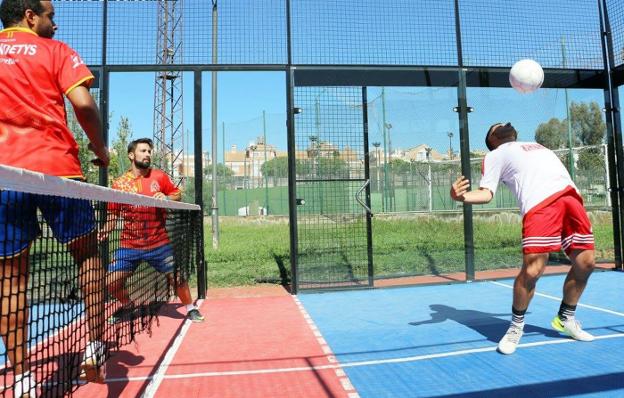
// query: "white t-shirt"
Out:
[531,171]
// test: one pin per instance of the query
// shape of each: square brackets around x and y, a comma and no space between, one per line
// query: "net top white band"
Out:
[16,179]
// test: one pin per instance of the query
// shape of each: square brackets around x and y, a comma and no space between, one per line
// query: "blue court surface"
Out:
[440,341]
[46,320]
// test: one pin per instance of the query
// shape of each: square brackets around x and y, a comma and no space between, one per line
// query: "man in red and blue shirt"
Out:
[36,74]
[144,235]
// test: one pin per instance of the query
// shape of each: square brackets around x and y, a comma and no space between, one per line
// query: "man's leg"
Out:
[91,277]
[116,286]
[14,318]
[524,285]
[524,289]
[184,293]
[583,263]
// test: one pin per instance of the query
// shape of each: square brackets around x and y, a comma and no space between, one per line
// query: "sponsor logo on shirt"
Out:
[154,187]
[18,49]
[77,61]
[532,147]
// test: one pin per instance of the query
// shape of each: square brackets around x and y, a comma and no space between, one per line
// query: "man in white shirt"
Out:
[553,218]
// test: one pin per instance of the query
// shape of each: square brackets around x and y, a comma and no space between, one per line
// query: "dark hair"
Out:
[132,146]
[13,11]
[505,132]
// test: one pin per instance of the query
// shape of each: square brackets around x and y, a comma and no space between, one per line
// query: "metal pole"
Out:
[567,101]
[266,180]
[199,179]
[246,184]
[464,144]
[384,203]
[104,92]
[223,202]
[614,135]
[292,159]
[605,152]
[430,183]
[214,205]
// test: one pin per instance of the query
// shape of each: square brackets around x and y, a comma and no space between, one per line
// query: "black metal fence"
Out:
[449,43]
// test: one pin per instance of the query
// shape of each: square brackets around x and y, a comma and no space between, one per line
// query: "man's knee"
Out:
[534,264]
[84,248]
[583,261]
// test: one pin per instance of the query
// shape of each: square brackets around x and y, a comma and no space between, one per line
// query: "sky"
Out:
[418,115]
[557,33]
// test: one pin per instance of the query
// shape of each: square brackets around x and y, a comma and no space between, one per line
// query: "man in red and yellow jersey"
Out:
[36,74]
[144,234]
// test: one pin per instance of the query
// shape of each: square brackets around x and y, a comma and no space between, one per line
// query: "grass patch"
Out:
[257,250]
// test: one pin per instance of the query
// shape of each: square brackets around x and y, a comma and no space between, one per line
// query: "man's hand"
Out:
[102,235]
[459,188]
[102,159]
[160,195]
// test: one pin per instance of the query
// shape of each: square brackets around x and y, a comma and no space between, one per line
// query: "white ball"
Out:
[526,76]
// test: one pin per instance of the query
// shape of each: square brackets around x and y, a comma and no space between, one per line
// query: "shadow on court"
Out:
[118,365]
[559,388]
[487,324]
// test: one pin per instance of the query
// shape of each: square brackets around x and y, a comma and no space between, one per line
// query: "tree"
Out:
[587,127]
[275,168]
[399,166]
[587,124]
[551,134]
[119,162]
[90,172]
[332,167]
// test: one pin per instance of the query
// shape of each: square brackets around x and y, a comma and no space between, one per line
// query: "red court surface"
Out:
[253,343]
[256,342]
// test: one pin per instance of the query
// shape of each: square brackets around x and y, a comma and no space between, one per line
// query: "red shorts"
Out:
[558,222]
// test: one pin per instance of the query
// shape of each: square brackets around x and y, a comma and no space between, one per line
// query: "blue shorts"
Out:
[127,260]
[68,219]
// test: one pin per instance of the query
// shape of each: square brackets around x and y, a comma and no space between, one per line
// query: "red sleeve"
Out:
[166,185]
[72,71]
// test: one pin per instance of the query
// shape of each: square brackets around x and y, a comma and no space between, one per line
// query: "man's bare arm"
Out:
[88,116]
[460,192]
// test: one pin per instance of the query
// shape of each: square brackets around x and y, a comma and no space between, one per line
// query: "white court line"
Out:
[160,374]
[359,363]
[560,298]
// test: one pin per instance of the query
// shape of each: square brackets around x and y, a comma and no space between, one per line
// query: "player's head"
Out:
[140,152]
[500,133]
[37,15]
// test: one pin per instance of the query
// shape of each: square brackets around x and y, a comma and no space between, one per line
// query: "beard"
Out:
[145,164]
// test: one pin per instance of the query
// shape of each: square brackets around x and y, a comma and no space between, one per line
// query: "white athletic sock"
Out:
[24,384]
[94,349]
[190,307]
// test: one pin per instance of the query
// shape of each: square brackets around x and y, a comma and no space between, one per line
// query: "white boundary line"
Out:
[160,374]
[340,374]
[338,366]
[560,298]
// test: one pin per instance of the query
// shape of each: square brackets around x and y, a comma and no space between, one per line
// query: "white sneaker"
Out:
[25,386]
[510,340]
[572,328]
